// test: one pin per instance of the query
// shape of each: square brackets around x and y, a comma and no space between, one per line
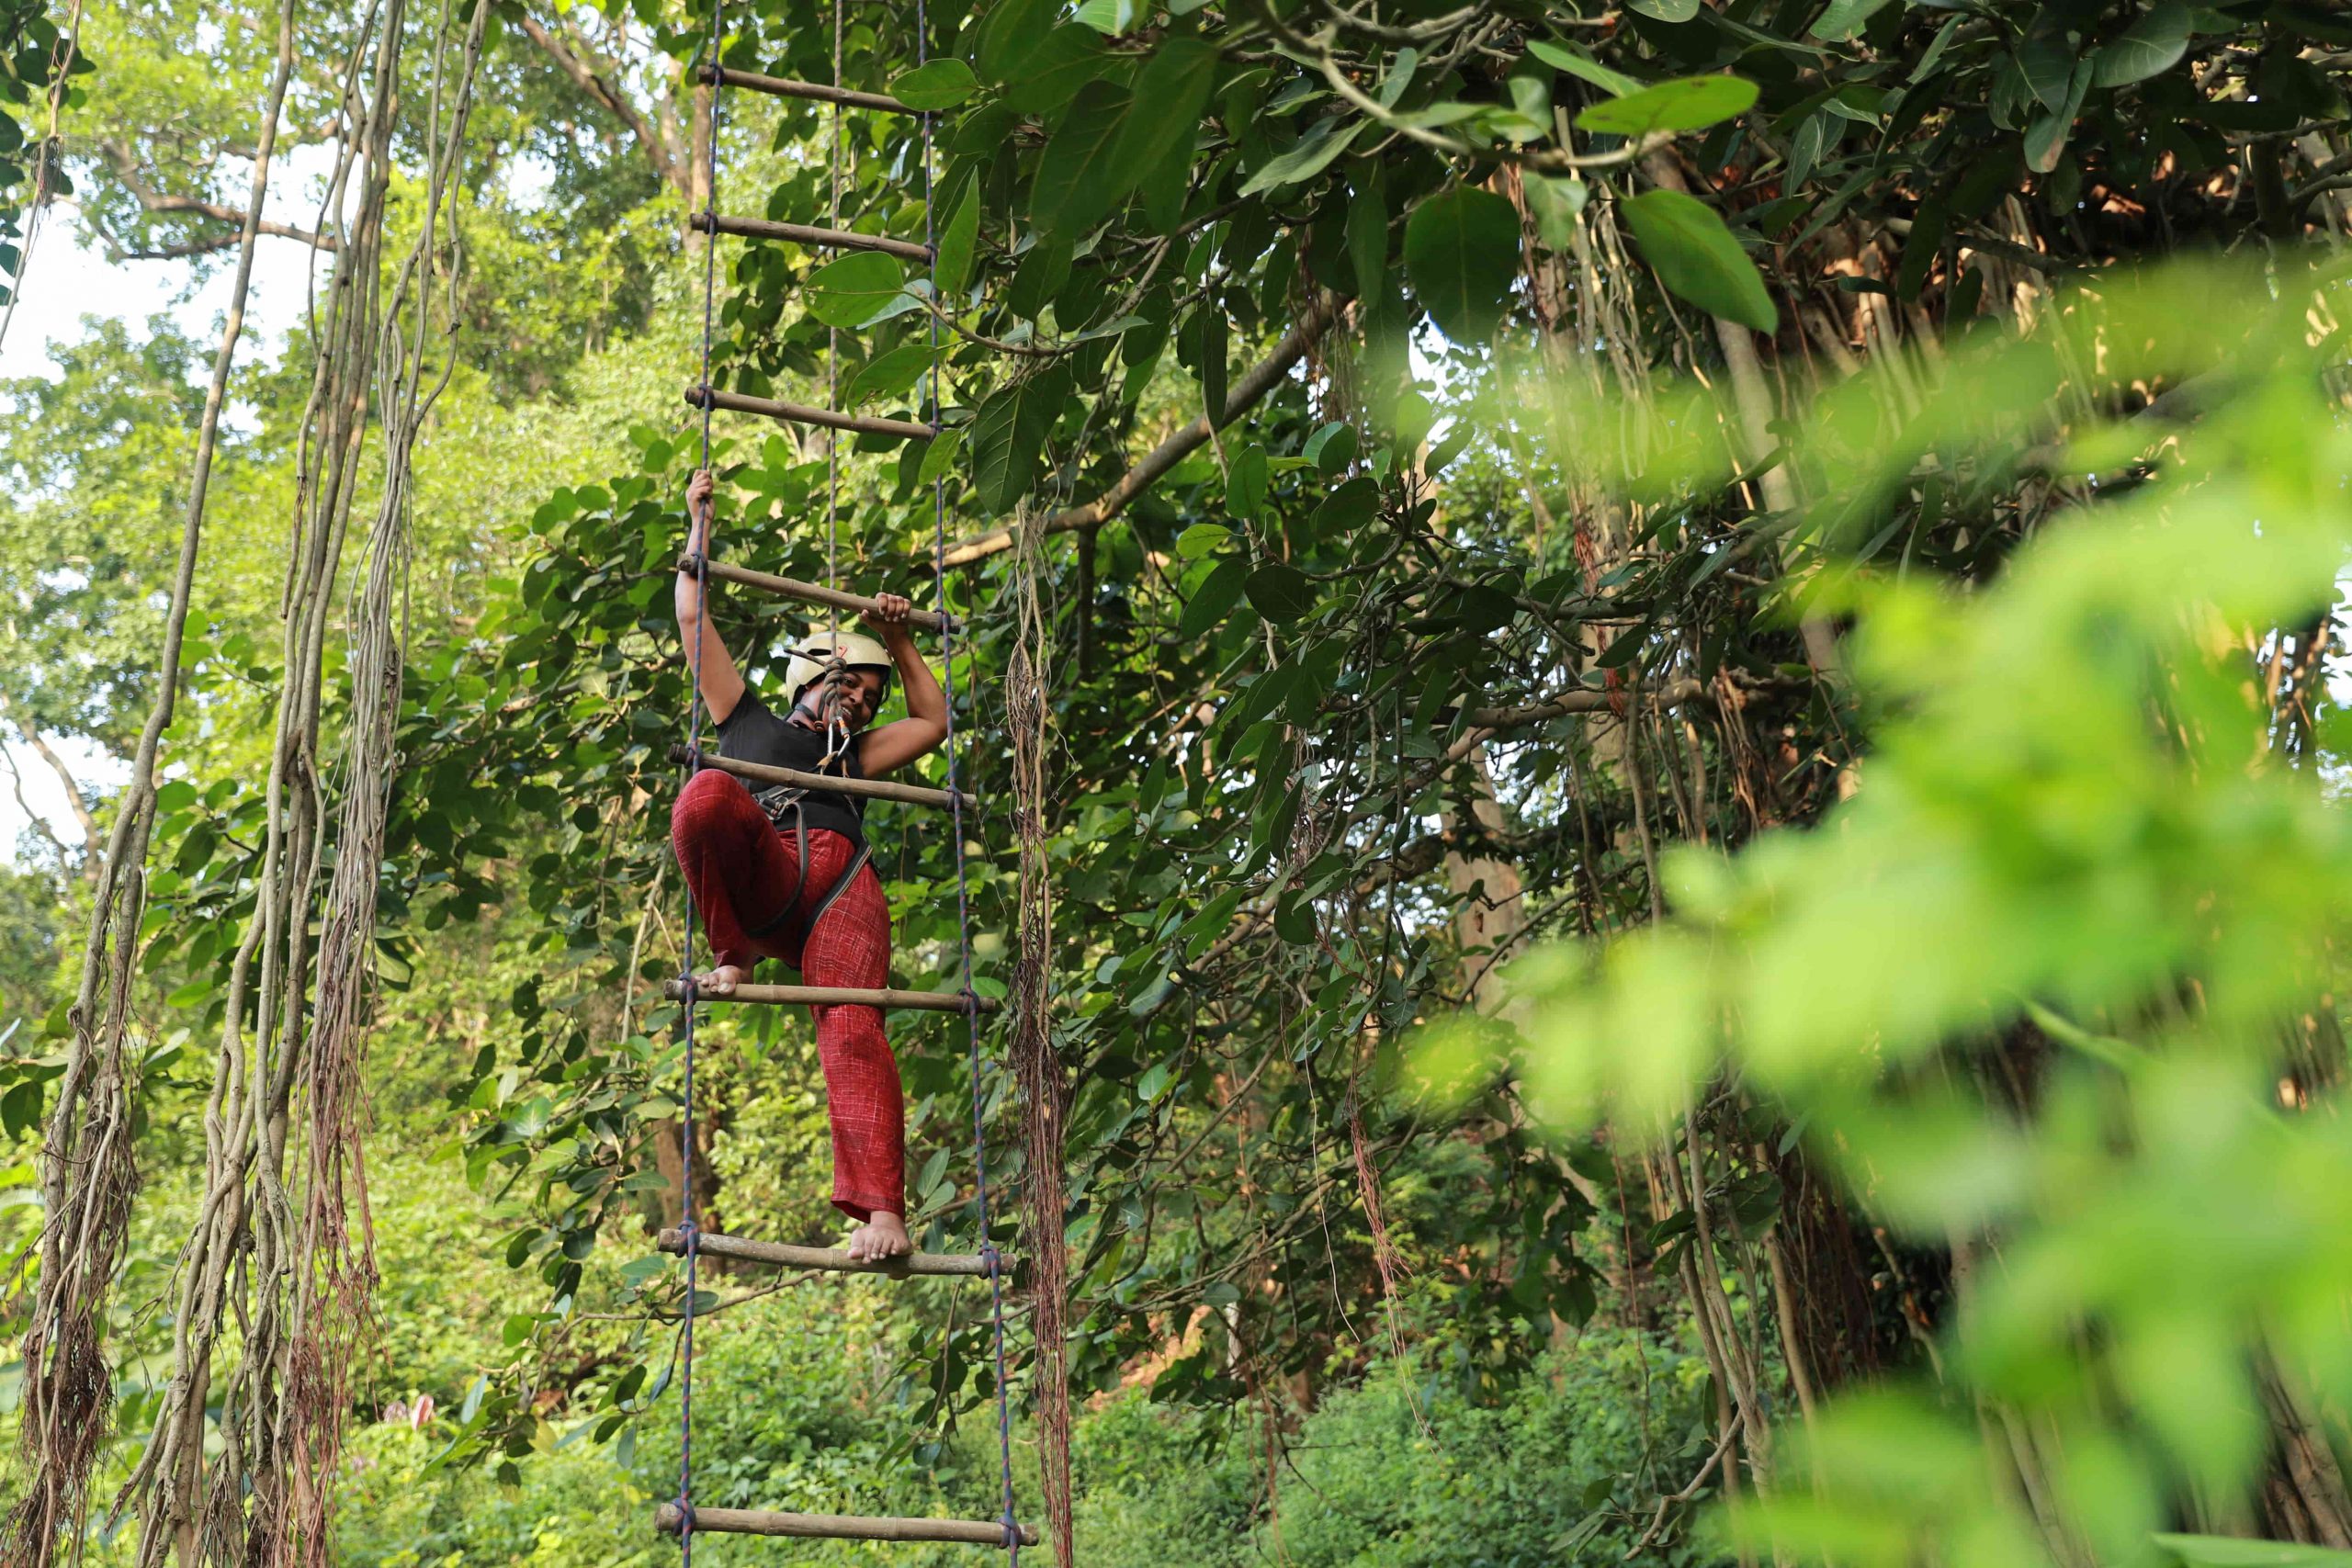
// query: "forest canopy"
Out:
[1647,696]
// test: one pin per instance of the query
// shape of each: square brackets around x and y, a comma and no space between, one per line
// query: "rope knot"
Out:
[1011,1530]
[689,1233]
[688,991]
[686,1517]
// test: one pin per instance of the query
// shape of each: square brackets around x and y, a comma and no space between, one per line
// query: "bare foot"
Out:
[719,982]
[882,1236]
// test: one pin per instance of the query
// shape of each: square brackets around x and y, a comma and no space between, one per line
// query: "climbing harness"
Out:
[785,791]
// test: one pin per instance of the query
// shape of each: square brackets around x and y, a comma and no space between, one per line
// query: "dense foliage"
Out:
[1496,479]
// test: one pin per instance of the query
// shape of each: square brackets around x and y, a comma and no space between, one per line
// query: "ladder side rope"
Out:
[690,1226]
[955,808]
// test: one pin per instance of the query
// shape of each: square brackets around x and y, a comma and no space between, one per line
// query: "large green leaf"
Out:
[1280,591]
[1687,103]
[1576,62]
[1693,254]
[1213,599]
[2152,44]
[1008,433]
[942,85]
[1462,253]
[851,290]
[1064,60]
[1170,94]
[1665,10]
[1010,35]
[2046,60]
[1074,187]
[1245,482]
[1306,157]
[951,267]
[1843,18]
[888,375]
[2045,139]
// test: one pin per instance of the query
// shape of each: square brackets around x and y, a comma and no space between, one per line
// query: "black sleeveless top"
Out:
[755,734]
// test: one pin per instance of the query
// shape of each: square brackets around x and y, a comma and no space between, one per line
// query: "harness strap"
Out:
[775,803]
[840,885]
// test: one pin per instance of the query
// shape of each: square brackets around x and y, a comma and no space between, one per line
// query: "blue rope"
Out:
[690,1230]
[955,808]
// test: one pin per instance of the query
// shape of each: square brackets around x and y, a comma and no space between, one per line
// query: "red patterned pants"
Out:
[742,872]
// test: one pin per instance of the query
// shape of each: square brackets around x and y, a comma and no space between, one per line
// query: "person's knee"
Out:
[709,796]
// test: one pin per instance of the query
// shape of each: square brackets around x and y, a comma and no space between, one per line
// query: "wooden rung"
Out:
[875,789]
[776,1252]
[840,996]
[802,234]
[801,413]
[814,593]
[835,1527]
[815,92]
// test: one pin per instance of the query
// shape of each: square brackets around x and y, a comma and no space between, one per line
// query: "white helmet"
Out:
[816,653]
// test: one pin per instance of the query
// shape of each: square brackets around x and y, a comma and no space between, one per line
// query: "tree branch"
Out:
[92,841]
[1261,378]
[126,169]
[16,785]
[573,59]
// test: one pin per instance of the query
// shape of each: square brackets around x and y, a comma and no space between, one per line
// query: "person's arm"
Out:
[722,683]
[895,745]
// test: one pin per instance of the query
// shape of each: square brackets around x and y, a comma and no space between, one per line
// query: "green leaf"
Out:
[20,1109]
[942,85]
[2153,43]
[1214,330]
[1245,482]
[2045,139]
[941,458]
[1011,35]
[851,290]
[1665,10]
[2230,1552]
[888,375]
[952,269]
[1074,188]
[1213,599]
[1332,448]
[1693,254]
[1843,18]
[1008,434]
[1576,62]
[1171,92]
[1280,591]
[1202,539]
[1350,507]
[1306,157]
[1806,145]
[1462,253]
[2047,63]
[1556,203]
[1108,17]
[1064,60]
[1687,103]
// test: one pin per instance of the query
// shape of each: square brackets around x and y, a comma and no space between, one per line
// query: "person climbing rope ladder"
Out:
[784,873]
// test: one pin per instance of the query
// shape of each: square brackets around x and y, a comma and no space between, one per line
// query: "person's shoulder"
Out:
[748,713]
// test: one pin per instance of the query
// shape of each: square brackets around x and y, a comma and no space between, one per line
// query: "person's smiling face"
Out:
[862,694]
[859,695]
